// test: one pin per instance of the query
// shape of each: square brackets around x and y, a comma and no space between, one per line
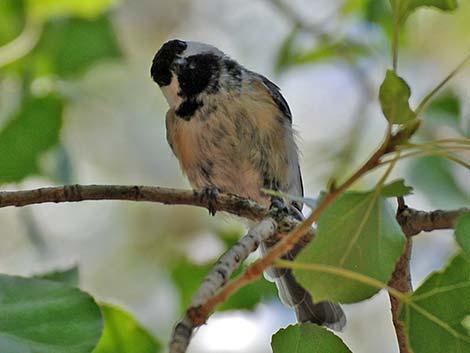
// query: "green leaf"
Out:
[394,95]
[34,130]
[251,295]
[123,334]
[285,54]
[69,276]
[39,316]
[289,56]
[434,177]
[46,9]
[351,6]
[307,338]
[434,315]
[462,233]
[404,8]
[379,12]
[357,233]
[188,277]
[396,188]
[73,45]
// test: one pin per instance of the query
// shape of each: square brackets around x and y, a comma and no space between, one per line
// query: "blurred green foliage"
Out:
[188,276]
[34,130]
[12,20]
[72,37]
[71,46]
[123,334]
[427,172]
[46,9]
[446,110]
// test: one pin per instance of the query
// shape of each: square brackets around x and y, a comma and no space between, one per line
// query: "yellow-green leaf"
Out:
[122,334]
[46,9]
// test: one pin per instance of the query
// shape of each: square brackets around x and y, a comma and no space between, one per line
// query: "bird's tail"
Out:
[294,295]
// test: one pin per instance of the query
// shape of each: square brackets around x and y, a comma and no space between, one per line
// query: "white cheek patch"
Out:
[171,92]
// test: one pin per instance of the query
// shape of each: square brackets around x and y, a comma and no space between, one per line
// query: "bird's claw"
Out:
[278,207]
[210,194]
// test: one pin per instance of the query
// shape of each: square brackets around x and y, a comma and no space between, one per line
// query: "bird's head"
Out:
[185,69]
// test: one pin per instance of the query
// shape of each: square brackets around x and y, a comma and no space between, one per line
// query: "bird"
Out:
[231,130]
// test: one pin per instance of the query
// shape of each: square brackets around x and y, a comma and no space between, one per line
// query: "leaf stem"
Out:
[21,45]
[396,33]
[441,153]
[383,179]
[433,92]
[341,272]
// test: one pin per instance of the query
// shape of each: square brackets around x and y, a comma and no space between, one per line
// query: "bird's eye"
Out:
[180,45]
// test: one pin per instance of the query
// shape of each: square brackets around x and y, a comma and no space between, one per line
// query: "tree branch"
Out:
[215,290]
[401,281]
[231,203]
[413,221]
[217,278]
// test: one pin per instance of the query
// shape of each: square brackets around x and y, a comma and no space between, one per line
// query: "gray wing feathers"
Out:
[276,95]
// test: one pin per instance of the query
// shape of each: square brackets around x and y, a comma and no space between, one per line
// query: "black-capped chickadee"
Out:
[231,130]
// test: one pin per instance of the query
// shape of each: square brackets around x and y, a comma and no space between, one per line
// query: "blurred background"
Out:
[77,105]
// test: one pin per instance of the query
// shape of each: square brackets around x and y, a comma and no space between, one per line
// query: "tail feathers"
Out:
[295,296]
[323,313]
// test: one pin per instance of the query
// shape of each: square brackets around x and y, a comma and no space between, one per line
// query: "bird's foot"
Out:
[210,194]
[278,207]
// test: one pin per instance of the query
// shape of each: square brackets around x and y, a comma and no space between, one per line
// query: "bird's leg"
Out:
[210,194]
